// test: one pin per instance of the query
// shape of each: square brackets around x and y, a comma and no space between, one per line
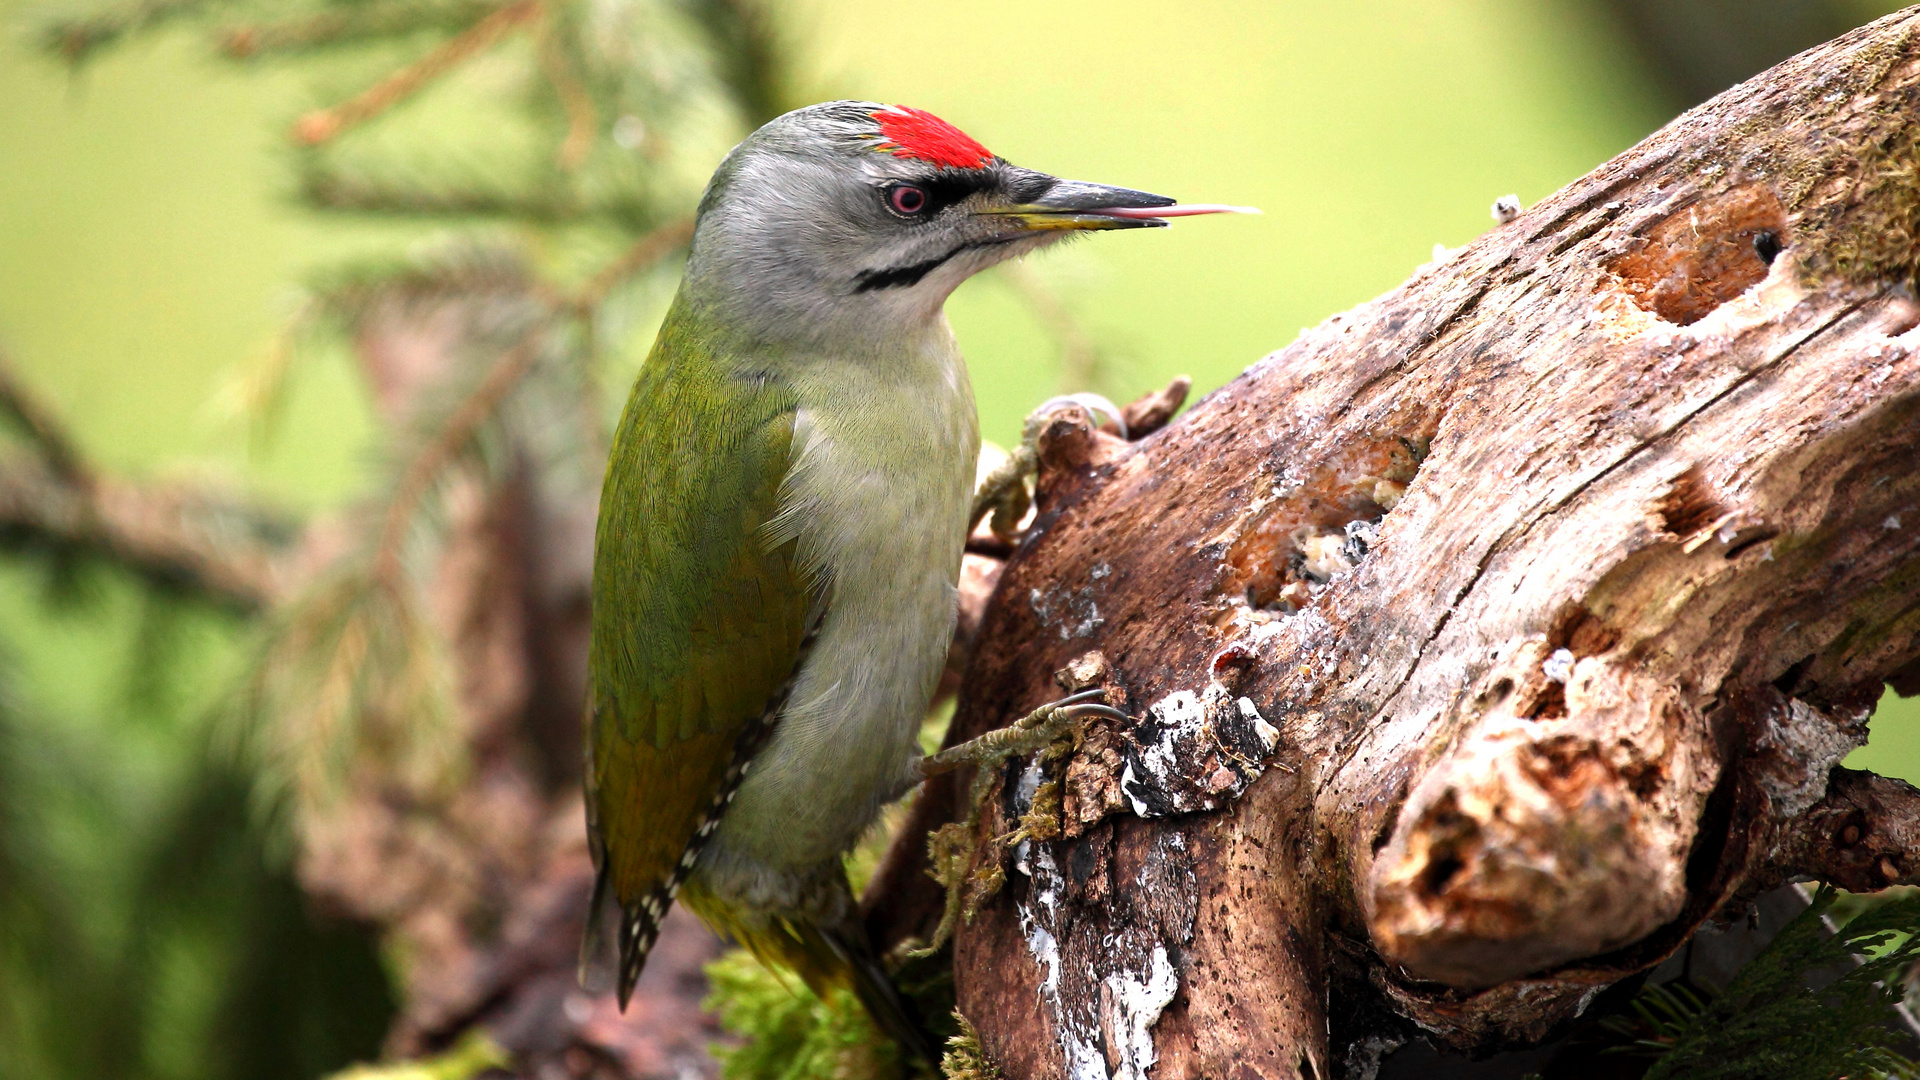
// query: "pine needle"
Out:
[324,125]
[1769,1023]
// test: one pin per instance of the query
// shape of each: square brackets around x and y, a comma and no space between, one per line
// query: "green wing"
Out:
[697,622]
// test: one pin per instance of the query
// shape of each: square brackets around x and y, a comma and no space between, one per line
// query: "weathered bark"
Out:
[1489,639]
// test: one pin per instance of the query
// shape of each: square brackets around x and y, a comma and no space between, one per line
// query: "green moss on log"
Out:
[1877,237]
[965,1059]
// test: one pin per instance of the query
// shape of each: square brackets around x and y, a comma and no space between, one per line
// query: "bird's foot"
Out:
[1005,493]
[952,848]
[1034,731]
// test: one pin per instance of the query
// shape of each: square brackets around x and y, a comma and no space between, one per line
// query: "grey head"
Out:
[852,221]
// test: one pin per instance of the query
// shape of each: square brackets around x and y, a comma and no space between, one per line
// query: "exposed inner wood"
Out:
[1563,576]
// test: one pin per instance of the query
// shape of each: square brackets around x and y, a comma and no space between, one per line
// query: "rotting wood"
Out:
[1564,575]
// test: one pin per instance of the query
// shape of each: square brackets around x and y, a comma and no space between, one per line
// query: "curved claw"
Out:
[1091,402]
[1094,694]
[1076,712]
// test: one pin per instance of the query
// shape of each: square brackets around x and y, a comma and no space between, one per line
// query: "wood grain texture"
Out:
[1565,575]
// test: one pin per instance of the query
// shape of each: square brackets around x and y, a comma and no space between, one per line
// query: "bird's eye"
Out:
[907,198]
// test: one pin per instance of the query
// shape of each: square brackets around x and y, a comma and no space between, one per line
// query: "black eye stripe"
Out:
[943,190]
[896,277]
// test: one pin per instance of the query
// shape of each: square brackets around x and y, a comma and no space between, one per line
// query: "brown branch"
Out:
[425,468]
[1863,835]
[28,413]
[175,538]
[178,540]
[645,252]
[361,23]
[581,115]
[78,39]
[323,125]
[1151,412]
[508,369]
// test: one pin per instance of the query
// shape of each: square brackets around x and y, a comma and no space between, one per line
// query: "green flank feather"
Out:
[697,622]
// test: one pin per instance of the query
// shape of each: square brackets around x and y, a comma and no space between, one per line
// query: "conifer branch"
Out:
[330,190]
[324,125]
[76,40]
[644,253]
[424,470]
[582,117]
[26,412]
[507,371]
[1769,1022]
[351,26]
[175,540]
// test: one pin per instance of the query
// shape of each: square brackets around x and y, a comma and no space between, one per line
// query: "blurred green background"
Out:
[150,249]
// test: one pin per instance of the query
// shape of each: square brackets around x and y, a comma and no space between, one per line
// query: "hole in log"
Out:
[1644,778]
[1905,679]
[1541,691]
[1323,528]
[1442,868]
[1704,255]
[1581,632]
[1452,841]
[1789,683]
[1567,768]
[1539,670]
[1549,703]
[1745,543]
[1688,506]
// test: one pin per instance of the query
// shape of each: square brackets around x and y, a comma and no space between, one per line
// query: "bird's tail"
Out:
[893,1011]
[599,945]
[826,954]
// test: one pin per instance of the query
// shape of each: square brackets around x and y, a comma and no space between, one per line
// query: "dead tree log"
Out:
[1487,640]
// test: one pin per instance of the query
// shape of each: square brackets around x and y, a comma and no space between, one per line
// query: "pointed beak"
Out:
[1043,202]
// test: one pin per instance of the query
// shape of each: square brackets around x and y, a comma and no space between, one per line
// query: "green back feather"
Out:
[697,621]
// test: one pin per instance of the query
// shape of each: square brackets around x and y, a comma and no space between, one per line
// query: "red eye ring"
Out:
[907,198]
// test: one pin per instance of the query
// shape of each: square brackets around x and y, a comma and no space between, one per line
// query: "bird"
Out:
[781,526]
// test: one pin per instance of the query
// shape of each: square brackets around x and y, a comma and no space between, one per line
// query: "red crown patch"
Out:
[911,133]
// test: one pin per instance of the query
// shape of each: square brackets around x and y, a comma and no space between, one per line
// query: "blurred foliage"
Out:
[1699,48]
[791,1033]
[540,157]
[567,142]
[154,937]
[472,1056]
[559,148]
[1815,1004]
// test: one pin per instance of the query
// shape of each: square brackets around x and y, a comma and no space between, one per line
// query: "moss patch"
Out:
[964,1059]
[1876,238]
[790,1033]
[476,1053]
